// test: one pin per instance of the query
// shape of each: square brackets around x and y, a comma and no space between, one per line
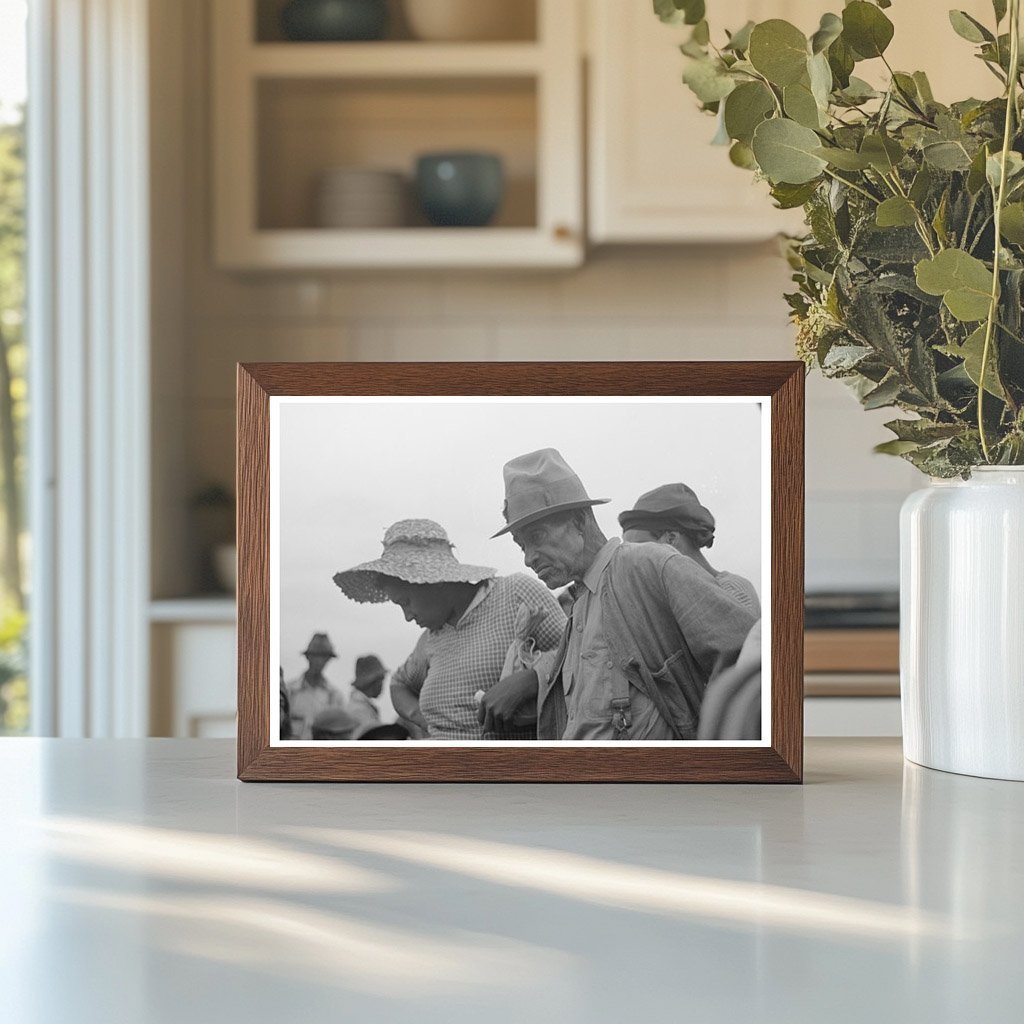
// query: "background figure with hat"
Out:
[671,514]
[313,692]
[470,617]
[648,630]
[366,688]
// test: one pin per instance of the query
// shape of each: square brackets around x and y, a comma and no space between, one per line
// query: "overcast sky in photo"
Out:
[348,469]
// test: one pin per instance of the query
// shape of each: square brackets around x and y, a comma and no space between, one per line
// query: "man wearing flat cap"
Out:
[313,692]
[647,631]
[671,514]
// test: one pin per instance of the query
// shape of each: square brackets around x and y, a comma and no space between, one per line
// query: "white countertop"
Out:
[143,884]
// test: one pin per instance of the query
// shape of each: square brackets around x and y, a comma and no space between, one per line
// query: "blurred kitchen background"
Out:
[292,218]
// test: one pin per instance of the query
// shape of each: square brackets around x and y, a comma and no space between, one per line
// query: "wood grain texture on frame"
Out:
[782,761]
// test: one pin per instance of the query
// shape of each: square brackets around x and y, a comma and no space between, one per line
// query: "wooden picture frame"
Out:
[779,758]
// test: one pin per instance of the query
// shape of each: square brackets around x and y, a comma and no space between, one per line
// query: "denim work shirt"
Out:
[641,604]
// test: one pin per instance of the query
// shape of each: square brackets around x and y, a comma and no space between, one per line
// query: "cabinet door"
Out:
[654,175]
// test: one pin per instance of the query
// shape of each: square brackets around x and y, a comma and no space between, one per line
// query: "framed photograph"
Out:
[520,572]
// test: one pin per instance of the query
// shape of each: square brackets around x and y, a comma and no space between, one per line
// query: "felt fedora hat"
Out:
[416,551]
[369,669]
[538,485]
[321,645]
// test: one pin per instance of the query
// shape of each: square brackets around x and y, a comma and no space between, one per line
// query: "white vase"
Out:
[962,624]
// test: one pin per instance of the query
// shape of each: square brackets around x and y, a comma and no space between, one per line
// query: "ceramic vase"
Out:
[962,624]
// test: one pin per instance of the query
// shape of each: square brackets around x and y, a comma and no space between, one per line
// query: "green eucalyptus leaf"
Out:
[994,168]
[701,33]
[830,29]
[923,431]
[841,60]
[789,197]
[971,352]
[784,151]
[895,447]
[844,159]
[963,281]
[968,28]
[800,105]
[820,75]
[668,11]
[906,87]
[921,185]
[694,11]
[858,91]
[676,12]
[999,7]
[896,212]
[739,41]
[883,153]
[1011,225]
[707,80]
[745,108]
[866,29]
[939,220]
[741,155]
[778,50]
[947,156]
[884,395]
[976,174]
[924,88]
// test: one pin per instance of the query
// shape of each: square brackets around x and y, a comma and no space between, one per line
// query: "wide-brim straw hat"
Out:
[538,485]
[415,551]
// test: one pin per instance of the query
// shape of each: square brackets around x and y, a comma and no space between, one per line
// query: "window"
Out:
[14,549]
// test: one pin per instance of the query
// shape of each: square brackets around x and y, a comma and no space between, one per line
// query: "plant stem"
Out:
[993,309]
[922,225]
[855,187]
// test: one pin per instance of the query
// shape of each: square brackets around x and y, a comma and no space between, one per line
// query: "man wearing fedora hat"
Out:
[366,688]
[313,692]
[647,631]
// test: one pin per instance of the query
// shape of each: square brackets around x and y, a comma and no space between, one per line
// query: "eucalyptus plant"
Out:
[910,278]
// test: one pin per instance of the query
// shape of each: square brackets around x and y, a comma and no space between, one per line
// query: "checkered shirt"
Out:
[451,664]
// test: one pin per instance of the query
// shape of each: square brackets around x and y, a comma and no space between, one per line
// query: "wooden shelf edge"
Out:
[392,60]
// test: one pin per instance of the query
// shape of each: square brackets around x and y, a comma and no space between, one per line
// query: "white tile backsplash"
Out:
[718,302]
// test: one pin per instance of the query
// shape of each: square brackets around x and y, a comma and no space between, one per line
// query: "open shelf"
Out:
[519,17]
[306,128]
[287,113]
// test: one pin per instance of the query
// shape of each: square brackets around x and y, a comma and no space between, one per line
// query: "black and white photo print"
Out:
[520,570]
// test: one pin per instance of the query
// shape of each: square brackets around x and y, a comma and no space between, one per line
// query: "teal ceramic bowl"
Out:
[461,190]
[333,21]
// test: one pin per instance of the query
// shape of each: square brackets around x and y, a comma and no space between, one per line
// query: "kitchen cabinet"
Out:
[192,649]
[286,113]
[653,175]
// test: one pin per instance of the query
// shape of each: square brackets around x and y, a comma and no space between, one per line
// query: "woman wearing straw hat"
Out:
[471,617]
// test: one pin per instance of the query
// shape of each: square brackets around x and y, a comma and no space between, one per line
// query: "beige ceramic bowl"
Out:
[471,20]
